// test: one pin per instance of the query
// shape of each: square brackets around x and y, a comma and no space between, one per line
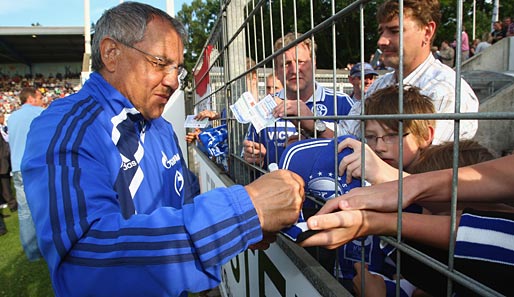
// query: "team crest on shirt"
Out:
[321,110]
[179,182]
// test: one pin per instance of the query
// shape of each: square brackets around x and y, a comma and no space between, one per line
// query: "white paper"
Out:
[191,122]
[248,110]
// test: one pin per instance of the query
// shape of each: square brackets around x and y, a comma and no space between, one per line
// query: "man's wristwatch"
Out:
[320,126]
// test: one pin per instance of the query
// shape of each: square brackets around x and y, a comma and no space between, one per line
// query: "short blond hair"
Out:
[385,101]
[291,37]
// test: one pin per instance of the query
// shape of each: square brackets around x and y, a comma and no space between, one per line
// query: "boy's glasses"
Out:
[372,140]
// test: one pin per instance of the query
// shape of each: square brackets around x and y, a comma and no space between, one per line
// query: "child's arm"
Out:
[377,171]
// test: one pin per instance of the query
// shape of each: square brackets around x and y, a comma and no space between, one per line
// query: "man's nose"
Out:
[382,40]
[171,80]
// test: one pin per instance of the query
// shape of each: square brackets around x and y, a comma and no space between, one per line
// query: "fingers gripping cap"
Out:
[313,160]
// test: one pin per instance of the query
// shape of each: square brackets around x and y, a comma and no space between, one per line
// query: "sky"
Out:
[61,12]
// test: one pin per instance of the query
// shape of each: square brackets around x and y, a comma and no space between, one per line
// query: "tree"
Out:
[347,33]
[198,18]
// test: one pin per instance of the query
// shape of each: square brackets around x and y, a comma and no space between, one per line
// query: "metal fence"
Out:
[237,36]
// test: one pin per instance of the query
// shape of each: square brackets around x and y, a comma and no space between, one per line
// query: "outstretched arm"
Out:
[340,227]
[484,182]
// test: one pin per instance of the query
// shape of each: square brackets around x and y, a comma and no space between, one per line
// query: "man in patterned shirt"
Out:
[420,68]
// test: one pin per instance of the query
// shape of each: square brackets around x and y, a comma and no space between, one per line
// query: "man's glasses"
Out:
[161,64]
[372,140]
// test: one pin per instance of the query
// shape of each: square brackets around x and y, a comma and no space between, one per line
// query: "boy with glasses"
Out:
[382,136]
[381,164]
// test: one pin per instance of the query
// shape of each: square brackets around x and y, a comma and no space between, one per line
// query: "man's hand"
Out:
[254,152]
[192,136]
[207,114]
[277,197]
[291,108]
[299,108]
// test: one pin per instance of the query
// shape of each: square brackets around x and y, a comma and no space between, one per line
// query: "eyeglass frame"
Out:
[387,139]
[160,62]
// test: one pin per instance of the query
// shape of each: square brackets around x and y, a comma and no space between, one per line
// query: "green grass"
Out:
[18,276]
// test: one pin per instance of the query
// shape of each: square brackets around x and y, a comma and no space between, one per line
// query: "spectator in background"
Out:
[273,84]
[505,26]
[252,84]
[355,79]
[497,33]
[510,30]
[420,68]
[485,43]
[5,168]
[18,127]
[295,69]
[117,211]
[473,47]
[464,45]
[446,54]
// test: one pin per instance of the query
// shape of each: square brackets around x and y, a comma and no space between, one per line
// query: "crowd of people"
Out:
[105,196]
[446,51]
[50,87]
[428,87]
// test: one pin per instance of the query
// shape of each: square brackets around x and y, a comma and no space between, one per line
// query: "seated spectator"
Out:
[473,47]
[507,21]
[446,54]
[485,43]
[510,30]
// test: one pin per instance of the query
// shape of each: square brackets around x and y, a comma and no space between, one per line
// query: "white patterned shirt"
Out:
[436,81]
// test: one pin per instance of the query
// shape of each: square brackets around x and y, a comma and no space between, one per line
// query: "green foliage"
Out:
[18,276]
[199,18]
[347,47]
[201,15]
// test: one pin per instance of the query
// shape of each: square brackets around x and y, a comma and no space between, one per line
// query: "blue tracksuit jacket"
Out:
[163,241]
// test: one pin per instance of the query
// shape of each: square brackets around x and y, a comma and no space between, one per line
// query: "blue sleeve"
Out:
[92,250]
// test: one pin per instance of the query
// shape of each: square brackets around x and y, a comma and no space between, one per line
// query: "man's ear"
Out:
[109,51]
[429,32]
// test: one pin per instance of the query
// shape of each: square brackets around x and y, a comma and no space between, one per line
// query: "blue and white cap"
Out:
[313,160]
